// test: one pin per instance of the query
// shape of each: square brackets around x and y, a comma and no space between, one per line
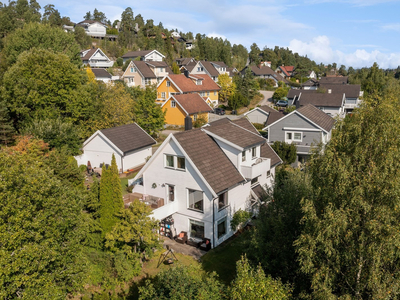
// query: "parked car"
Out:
[219,111]
[282,103]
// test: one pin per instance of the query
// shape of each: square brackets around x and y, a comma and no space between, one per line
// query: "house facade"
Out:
[263,115]
[206,175]
[93,28]
[265,72]
[96,58]
[130,144]
[177,107]
[211,68]
[305,127]
[142,73]
[144,55]
[186,83]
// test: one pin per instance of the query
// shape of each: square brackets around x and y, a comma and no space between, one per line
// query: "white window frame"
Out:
[202,94]
[215,93]
[132,70]
[268,173]
[199,224]
[184,163]
[195,117]
[147,81]
[226,203]
[254,152]
[166,160]
[188,200]
[243,155]
[168,194]
[292,139]
[168,83]
[163,95]
[173,103]
[175,162]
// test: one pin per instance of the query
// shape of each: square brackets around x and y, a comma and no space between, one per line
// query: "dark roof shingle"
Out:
[128,137]
[317,116]
[198,146]
[99,72]
[193,103]
[268,152]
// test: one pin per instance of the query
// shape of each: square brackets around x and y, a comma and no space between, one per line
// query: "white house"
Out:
[93,28]
[103,75]
[130,144]
[96,58]
[201,177]
[263,115]
[145,55]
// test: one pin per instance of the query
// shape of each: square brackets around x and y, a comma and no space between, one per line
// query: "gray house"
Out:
[263,115]
[305,127]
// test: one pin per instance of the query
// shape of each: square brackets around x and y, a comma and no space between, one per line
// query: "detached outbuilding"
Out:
[130,144]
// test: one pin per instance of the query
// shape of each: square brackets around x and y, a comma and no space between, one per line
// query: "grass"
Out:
[223,259]
[124,183]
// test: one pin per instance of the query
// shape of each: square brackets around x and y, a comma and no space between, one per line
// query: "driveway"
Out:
[267,98]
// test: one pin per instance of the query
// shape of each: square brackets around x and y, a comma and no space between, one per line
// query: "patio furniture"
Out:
[182,237]
[195,242]
[205,245]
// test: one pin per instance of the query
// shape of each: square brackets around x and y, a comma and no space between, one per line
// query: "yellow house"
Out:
[177,107]
[201,84]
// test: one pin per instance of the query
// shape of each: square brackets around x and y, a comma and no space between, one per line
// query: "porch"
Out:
[152,201]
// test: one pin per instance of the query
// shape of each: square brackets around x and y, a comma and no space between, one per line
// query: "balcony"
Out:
[351,104]
[152,201]
[260,166]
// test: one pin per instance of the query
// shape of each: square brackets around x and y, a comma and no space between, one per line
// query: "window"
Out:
[221,227]
[168,83]
[171,192]
[202,94]
[293,137]
[131,70]
[253,152]
[180,163]
[215,93]
[195,117]
[173,103]
[222,200]
[196,229]
[169,161]
[199,82]
[200,69]
[195,200]
[163,95]
[208,94]
[147,81]
[243,155]
[268,173]
[254,180]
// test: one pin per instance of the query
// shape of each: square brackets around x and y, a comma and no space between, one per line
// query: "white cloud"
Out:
[392,26]
[319,49]
[353,2]
[216,35]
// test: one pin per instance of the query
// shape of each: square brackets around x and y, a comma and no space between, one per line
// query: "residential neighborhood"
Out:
[165,152]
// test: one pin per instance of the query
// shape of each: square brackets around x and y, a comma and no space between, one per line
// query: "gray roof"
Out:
[246,124]
[334,80]
[128,137]
[317,98]
[101,73]
[273,115]
[235,134]
[206,155]
[259,191]
[264,70]
[144,69]
[268,152]
[133,54]
[317,116]
[210,68]
[351,90]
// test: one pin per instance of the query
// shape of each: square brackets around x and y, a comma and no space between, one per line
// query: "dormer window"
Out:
[199,82]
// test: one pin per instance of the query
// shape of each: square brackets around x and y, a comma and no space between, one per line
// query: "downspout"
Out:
[213,223]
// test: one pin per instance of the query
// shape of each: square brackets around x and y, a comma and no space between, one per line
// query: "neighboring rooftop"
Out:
[265,70]
[268,152]
[198,146]
[101,73]
[187,85]
[192,103]
[317,116]
[128,137]
[334,80]
[134,54]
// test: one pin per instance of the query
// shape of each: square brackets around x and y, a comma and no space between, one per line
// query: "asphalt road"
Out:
[267,98]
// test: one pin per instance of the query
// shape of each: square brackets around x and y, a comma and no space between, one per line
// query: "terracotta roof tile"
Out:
[187,85]
[128,137]
[198,146]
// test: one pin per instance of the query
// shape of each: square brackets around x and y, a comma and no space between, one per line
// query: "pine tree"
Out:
[111,201]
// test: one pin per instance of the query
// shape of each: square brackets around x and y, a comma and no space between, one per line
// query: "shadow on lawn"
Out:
[223,259]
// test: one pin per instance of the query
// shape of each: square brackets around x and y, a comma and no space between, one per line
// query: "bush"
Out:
[120,62]
[258,126]
[289,109]
[201,120]
[126,64]
[280,93]
[287,152]
[239,219]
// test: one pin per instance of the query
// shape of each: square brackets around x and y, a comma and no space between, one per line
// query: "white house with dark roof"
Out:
[93,28]
[199,178]
[144,55]
[130,144]
[103,75]
[96,58]
[305,127]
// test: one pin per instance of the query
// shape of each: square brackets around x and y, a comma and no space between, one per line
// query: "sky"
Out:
[354,33]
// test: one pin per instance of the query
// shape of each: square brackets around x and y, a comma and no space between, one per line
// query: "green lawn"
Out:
[124,183]
[223,258]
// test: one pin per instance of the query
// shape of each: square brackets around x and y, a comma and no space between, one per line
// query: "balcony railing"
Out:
[260,166]
[152,201]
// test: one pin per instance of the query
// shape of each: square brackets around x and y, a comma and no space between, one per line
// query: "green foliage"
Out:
[280,93]
[251,284]
[6,129]
[247,85]
[349,245]
[175,68]
[41,227]
[183,283]
[42,84]
[289,109]
[51,16]
[120,62]
[228,87]
[278,225]
[126,64]
[237,100]
[111,202]
[57,133]
[239,219]
[287,152]
[258,126]
[41,36]
[200,121]
[83,40]
[148,114]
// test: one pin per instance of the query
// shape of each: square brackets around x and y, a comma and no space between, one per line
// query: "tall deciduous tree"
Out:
[42,84]
[41,227]
[111,201]
[228,87]
[148,114]
[42,36]
[350,245]
[6,128]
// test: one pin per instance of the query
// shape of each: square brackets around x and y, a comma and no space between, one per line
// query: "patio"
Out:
[183,248]
[152,201]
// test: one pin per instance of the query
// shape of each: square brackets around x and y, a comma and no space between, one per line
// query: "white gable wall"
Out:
[153,57]
[96,29]
[256,116]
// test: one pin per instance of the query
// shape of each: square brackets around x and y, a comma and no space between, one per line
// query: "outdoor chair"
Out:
[205,245]
[182,237]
